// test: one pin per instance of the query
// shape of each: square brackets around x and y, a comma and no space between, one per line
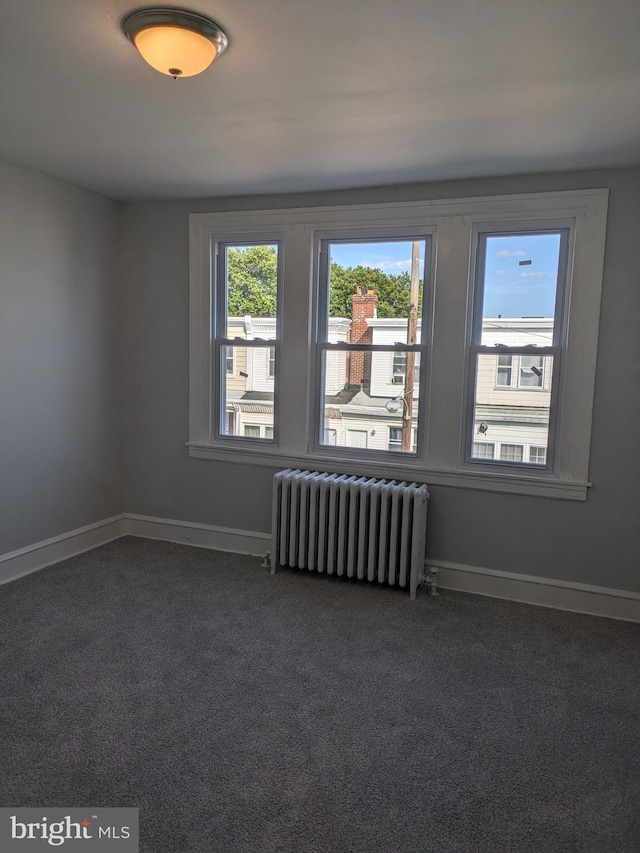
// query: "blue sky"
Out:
[512,288]
[392,257]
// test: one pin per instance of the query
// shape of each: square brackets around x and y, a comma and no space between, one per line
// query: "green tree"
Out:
[252,274]
[393,290]
[252,281]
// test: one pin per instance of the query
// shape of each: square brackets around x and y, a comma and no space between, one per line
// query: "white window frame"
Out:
[454,224]
[398,441]
[498,385]
[540,386]
[537,449]
[553,353]
[505,444]
[218,336]
[491,444]
[320,343]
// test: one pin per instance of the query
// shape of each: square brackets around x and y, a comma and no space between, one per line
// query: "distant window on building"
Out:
[484,450]
[504,371]
[538,455]
[251,431]
[399,370]
[272,361]
[395,439]
[229,361]
[268,432]
[511,452]
[531,371]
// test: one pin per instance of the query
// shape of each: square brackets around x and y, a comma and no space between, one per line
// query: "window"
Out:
[520,289]
[490,356]
[511,452]
[531,367]
[399,372]
[538,455]
[395,439]
[504,371]
[384,328]
[483,450]
[258,431]
[245,309]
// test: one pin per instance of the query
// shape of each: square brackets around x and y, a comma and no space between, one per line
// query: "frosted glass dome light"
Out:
[175,42]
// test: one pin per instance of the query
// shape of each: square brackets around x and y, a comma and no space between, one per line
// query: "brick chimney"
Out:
[364,304]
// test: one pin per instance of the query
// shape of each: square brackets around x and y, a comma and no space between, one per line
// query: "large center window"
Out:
[371,340]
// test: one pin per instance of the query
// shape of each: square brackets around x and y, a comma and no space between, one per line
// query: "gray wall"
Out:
[60,409]
[596,542]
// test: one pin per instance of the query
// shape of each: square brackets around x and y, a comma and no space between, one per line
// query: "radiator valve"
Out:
[266,562]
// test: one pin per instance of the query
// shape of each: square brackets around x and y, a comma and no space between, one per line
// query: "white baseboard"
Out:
[15,564]
[529,589]
[200,535]
[544,592]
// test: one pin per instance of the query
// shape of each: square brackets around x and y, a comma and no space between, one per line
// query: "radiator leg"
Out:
[267,563]
[432,580]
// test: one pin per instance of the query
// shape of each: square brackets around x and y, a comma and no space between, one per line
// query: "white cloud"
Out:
[391,265]
[532,274]
[517,253]
[500,273]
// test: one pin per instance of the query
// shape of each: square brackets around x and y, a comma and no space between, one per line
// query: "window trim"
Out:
[451,222]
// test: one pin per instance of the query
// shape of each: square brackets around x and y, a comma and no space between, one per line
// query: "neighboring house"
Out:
[513,392]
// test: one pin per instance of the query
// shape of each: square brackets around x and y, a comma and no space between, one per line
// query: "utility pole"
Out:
[412,331]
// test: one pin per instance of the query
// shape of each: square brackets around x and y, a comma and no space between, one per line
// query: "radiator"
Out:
[358,527]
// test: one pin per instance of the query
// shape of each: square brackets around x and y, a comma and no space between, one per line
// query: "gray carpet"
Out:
[244,712]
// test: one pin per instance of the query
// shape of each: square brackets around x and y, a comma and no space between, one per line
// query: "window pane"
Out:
[520,284]
[372,280]
[531,371]
[395,439]
[510,416]
[504,371]
[538,455]
[483,450]
[511,452]
[252,291]
[246,397]
[353,417]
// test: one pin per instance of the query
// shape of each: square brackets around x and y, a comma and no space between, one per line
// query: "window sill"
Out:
[514,484]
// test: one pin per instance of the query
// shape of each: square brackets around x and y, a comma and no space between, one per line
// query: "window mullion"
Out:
[294,366]
[447,361]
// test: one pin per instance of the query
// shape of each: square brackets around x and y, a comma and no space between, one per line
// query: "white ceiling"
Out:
[322,94]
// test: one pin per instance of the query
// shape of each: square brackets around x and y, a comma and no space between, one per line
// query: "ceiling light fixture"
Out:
[174,41]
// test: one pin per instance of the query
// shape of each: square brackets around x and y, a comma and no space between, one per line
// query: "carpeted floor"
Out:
[244,712]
